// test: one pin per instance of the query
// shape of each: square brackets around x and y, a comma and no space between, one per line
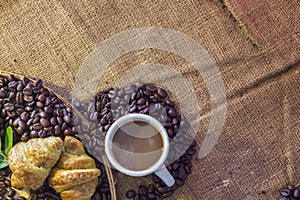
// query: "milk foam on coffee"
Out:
[137,145]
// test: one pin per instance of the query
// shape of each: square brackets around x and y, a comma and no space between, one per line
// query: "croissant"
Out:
[31,162]
[75,175]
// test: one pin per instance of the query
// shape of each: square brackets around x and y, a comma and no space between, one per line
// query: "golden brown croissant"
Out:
[76,175]
[31,162]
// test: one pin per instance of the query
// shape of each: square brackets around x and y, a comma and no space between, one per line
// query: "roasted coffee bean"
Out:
[27,90]
[39,104]
[11,193]
[179,182]
[9,107]
[103,121]
[33,134]
[37,126]
[44,122]
[48,109]
[296,193]
[137,197]
[20,86]
[285,192]
[291,187]
[143,190]
[19,98]
[12,85]
[130,194]
[2,192]
[284,198]
[57,130]
[162,190]
[41,97]
[172,112]
[181,172]
[161,92]
[24,116]
[94,116]
[22,124]
[67,119]
[53,121]
[16,122]
[2,93]
[60,120]
[28,98]
[141,101]
[42,134]
[48,101]
[36,119]
[64,126]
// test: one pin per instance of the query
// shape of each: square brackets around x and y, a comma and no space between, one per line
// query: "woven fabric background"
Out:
[254,43]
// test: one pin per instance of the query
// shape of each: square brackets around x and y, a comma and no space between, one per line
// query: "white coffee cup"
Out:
[158,167]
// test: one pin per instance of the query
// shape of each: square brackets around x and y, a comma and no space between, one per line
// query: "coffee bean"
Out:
[11,193]
[172,112]
[181,172]
[68,131]
[53,121]
[42,134]
[132,108]
[9,107]
[19,98]
[2,192]
[57,130]
[285,192]
[130,194]
[41,97]
[39,104]
[151,196]
[296,193]
[179,182]
[161,92]
[142,190]
[284,198]
[67,119]
[12,85]
[48,109]
[44,122]
[167,124]
[60,120]
[48,101]
[20,86]
[175,166]
[37,126]
[103,121]
[22,124]
[162,190]
[36,119]
[170,132]
[141,101]
[137,197]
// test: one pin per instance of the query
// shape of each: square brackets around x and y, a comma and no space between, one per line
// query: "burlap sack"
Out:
[255,45]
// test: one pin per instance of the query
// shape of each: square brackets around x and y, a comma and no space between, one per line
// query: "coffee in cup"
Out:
[138,145]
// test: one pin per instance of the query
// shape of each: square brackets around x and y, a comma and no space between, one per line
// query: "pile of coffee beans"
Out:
[114,103]
[34,111]
[290,193]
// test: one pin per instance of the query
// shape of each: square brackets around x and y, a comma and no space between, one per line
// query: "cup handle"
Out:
[165,176]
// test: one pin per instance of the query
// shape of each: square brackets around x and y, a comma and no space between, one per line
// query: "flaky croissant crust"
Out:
[31,162]
[75,175]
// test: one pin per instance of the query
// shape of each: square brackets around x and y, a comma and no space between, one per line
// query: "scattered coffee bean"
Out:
[130,194]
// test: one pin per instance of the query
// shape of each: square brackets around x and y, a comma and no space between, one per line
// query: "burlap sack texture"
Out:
[258,151]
